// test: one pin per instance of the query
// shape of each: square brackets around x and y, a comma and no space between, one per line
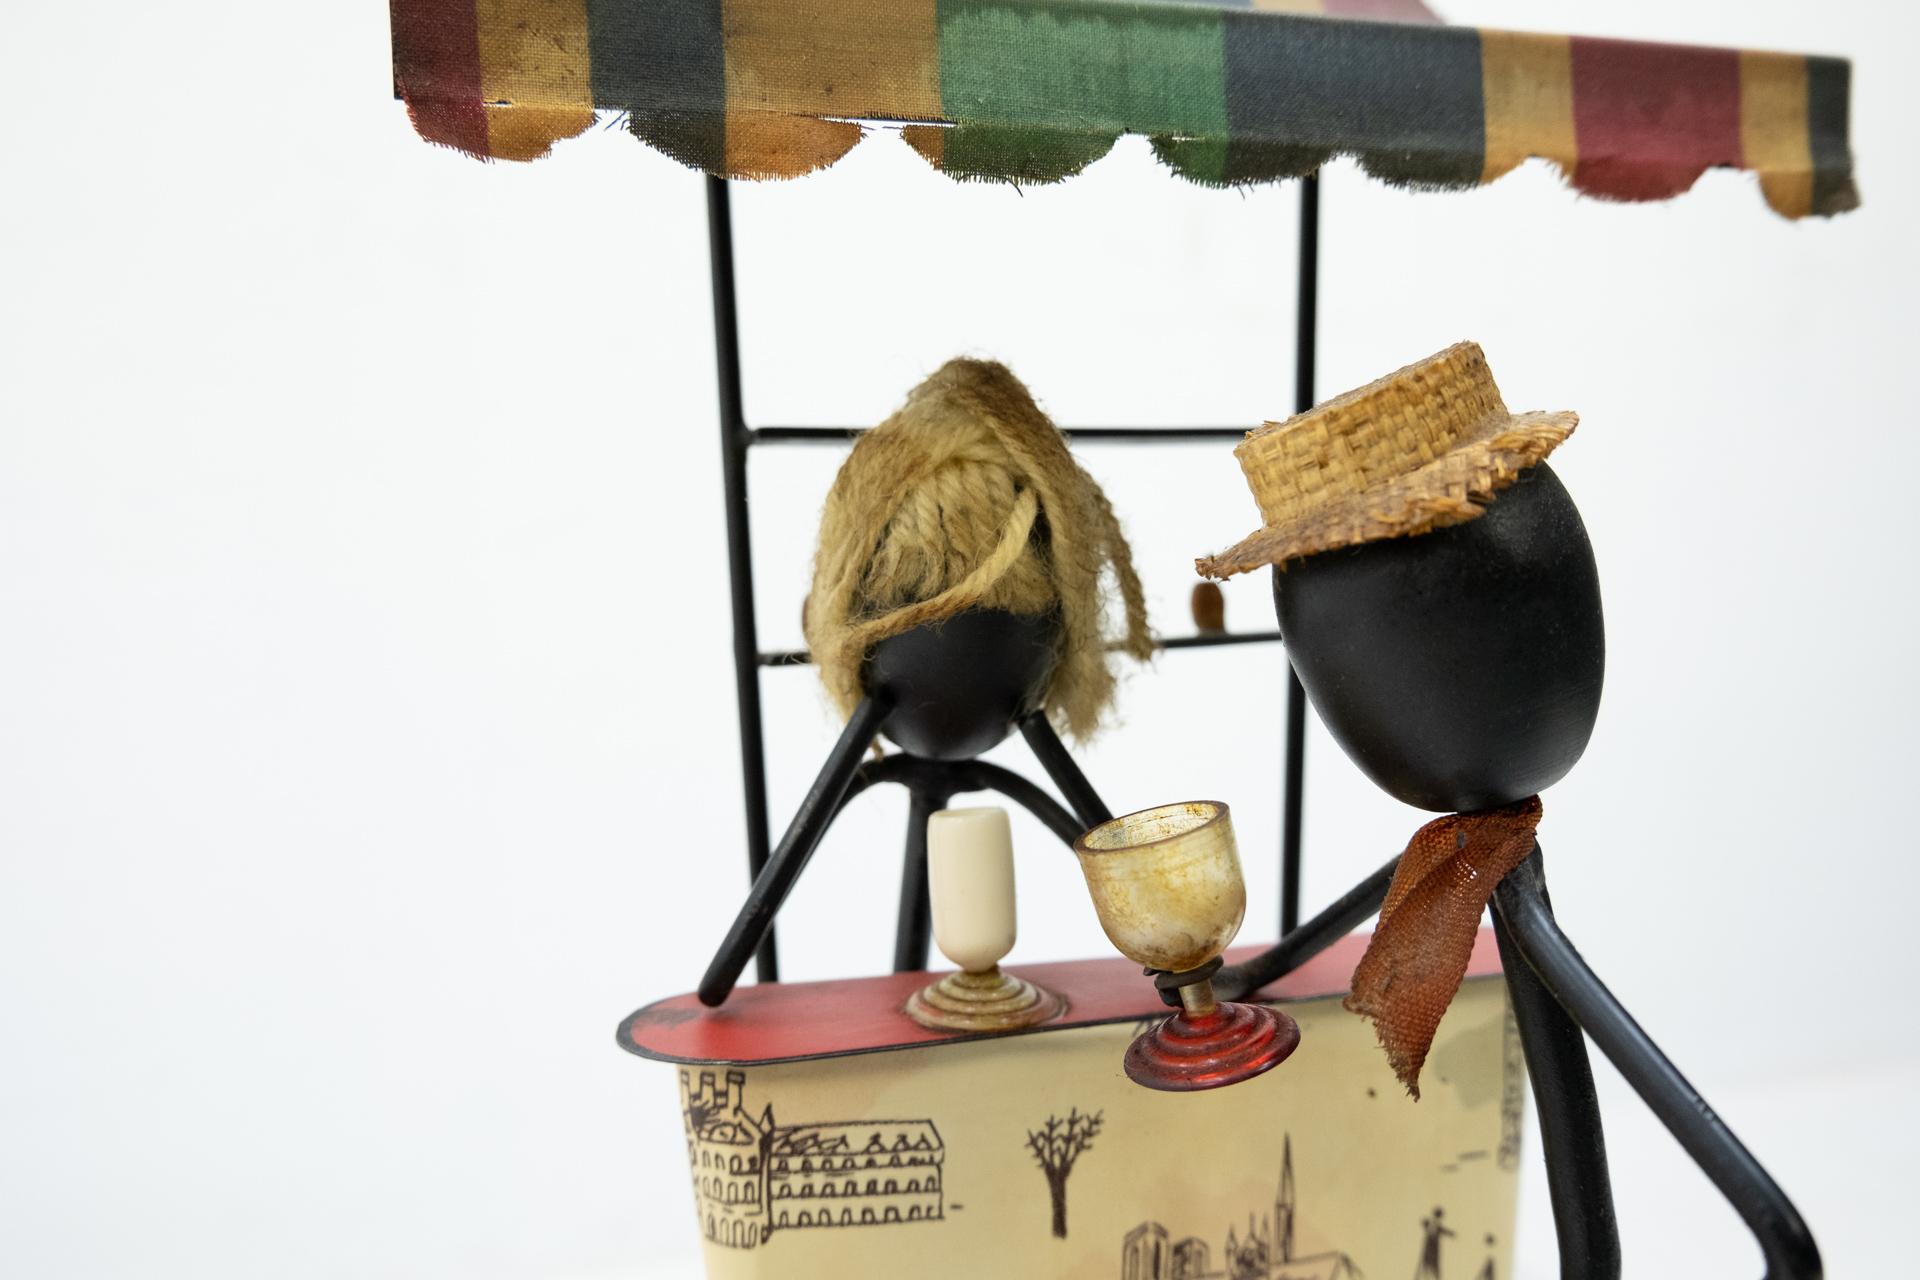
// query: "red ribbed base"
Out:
[1233,1043]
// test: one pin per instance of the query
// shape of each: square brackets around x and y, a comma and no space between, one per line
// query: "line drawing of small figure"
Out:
[1435,1229]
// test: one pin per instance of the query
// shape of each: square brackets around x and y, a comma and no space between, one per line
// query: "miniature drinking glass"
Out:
[1166,884]
[970,881]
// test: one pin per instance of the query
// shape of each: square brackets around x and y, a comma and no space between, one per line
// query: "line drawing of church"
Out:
[1265,1252]
[752,1177]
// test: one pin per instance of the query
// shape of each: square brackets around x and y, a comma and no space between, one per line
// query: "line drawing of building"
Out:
[1190,1259]
[1144,1254]
[854,1174]
[1265,1252]
[752,1177]
[1249,1257]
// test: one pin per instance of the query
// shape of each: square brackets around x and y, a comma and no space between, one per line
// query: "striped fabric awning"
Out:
[1035,90]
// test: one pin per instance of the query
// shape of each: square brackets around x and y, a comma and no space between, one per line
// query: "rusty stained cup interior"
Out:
[1166,883]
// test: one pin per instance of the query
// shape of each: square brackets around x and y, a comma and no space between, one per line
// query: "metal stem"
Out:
[733,475]
[1197,999]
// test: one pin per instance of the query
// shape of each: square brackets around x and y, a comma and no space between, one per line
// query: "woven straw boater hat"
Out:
[1420,449]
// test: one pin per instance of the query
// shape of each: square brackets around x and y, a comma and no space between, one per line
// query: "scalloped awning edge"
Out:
[1034,92]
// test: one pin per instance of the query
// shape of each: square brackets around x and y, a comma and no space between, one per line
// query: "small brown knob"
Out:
[1209,608]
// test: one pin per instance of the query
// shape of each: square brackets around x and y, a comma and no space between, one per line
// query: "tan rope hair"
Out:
[967,498]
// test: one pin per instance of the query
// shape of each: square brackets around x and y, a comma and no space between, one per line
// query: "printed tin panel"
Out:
[1034,1156]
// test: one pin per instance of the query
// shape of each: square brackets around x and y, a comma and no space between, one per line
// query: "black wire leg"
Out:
[961,776]
[933,784]
[1065,772]
[1573,1143]
[775,881]
[981,776]
[1785,1242]
[916,919]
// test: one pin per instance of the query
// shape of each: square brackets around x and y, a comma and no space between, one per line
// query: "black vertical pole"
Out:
[915,926]
[733,471]
[1306,336]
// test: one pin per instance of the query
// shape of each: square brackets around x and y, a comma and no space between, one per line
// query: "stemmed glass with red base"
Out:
[1166,884]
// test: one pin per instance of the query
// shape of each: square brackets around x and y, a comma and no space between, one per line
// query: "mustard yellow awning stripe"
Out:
[536,78]
[791,69]
[1527,81]
[1773,129]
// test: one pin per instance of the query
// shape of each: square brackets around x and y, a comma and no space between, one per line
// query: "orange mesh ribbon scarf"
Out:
[1420,951]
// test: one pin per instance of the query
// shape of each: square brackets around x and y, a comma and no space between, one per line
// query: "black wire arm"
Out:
[1349,912]
[776,879]
[1556,997]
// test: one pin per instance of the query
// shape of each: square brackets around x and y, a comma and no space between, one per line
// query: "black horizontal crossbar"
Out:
[1105,435]
[1205,640]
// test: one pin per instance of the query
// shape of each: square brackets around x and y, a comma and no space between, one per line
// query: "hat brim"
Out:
[1452,489]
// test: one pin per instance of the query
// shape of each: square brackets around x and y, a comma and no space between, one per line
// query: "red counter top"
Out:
[787,1022]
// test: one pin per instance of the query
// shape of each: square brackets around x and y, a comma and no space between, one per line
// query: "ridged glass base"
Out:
[990,1001]
[1233,1042]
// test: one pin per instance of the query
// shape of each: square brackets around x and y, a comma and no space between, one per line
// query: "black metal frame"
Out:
[1558,1002]
[737,439]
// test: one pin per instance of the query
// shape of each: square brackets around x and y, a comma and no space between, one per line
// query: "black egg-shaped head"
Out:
[957,687]
[1460,669]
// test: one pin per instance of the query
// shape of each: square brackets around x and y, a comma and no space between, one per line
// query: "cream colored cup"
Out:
[970,880]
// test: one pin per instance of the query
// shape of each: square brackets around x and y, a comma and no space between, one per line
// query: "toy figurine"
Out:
[960,592]
[1437,595]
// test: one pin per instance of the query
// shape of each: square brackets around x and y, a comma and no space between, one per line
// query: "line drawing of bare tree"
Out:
[1057,1146]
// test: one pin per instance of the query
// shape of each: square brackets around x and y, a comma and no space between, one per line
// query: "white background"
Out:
[366,722]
